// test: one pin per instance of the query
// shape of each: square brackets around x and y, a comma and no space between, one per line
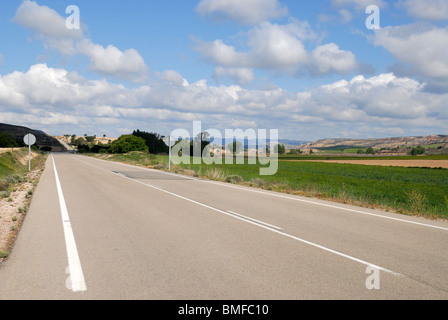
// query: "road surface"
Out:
[104,230]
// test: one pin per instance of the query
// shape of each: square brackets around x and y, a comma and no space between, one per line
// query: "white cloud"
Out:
[281,48]
[243,12]
[422,47]
[432,10]
[346,16]
[50,27]
[111,61]
[173,77]
[242,76]
[58,100]
[330,58]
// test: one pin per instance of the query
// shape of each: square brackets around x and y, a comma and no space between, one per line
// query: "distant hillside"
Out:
[43,141]
[433,143]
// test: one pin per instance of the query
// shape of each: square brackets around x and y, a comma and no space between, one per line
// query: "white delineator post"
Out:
[29,140]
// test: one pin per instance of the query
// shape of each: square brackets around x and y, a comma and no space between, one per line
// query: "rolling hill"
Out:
[43,141]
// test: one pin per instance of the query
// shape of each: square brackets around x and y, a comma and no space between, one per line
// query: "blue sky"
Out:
[311,69]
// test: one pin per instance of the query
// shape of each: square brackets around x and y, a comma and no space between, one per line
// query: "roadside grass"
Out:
[410,191]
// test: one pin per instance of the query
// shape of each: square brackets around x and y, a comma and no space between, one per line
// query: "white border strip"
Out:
[74,263]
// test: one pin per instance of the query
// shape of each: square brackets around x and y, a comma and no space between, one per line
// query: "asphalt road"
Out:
[103,230]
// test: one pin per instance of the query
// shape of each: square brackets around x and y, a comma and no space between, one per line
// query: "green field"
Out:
[362,157]
[420,191]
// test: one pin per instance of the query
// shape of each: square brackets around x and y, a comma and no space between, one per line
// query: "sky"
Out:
[311,69]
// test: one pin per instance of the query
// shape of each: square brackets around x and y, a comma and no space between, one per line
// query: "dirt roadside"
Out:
[13,210]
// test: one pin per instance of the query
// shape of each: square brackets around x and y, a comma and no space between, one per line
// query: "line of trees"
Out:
[137,141]
[8,140]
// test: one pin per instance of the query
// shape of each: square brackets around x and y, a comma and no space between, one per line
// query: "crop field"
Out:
[414,191]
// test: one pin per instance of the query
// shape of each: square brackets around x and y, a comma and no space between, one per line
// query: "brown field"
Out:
[391,163]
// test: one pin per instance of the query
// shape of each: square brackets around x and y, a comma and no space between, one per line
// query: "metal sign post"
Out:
[29,140]
[171,141]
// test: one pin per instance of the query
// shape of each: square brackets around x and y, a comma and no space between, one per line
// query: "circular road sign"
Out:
[29,139]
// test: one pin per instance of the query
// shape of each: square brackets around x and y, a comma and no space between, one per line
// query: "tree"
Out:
[417,151]
[370,150]
[128,143]
[80,142]
[280,149]
[295,151]
[202,140]
[235,146]
[153,141]
[8,140]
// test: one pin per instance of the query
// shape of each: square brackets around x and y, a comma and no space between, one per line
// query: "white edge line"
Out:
[255,220]
[76,275]
[283,196]
[266,227]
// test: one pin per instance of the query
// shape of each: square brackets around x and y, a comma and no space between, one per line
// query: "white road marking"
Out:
[252,219]
[263,226]
[286,197]
[74,263]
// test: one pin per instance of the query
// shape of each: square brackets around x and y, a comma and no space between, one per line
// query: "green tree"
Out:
[153,141]
[90,138]
[235,146]
[280,149]
[202,140]
[370,150]
[8,140]
[128,143]
[417,151]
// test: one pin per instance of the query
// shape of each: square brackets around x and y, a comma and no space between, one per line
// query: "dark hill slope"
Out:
[43,141]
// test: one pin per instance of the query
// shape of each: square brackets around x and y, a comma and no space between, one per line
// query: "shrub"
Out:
[416,201]
[4,194]
[259,182]
[128,143]
[214,174]
[3,254]
[234,179]
[15,178]
[417,151]
[4,185]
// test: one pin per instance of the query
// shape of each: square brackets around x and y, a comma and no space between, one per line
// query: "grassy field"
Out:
[362,157]
[414,191]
